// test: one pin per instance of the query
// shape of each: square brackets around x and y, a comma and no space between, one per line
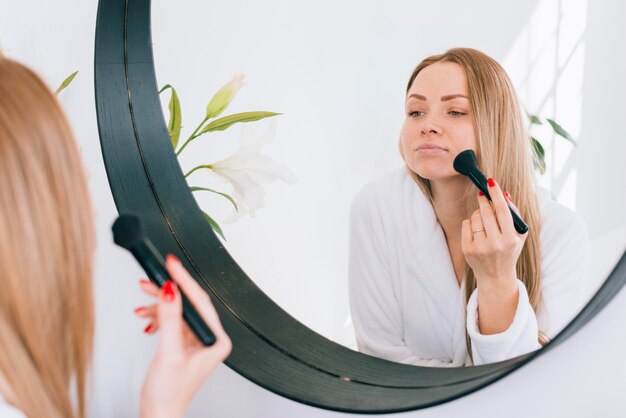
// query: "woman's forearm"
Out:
[497,304]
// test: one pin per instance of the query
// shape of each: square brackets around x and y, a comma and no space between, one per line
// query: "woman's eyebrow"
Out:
[418,97]
[452,96]
[443,98]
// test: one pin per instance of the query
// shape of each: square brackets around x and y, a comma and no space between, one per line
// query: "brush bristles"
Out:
[465,162]
[127,231]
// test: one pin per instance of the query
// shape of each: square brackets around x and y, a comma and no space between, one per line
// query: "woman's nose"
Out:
[430,127]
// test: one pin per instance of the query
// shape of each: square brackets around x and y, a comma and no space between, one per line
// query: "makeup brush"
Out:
[465,163]
[128,233]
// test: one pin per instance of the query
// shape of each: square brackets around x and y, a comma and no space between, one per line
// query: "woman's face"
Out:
[438,122]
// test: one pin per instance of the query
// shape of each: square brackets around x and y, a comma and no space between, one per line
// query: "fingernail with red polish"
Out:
[148,328]
[168,291]
[508,196]
[490,182]
[480,193]
[171,258]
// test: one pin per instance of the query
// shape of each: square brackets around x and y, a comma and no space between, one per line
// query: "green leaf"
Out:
[213,224]
[227,121]
[176,116]
[196,189]
[560,131]
[534,119]
[66,82]
[538,155]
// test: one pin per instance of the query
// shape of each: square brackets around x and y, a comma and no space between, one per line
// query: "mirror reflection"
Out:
[432,259]
[349,133]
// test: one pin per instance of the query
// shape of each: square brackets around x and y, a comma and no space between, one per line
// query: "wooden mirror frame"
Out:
[271,348]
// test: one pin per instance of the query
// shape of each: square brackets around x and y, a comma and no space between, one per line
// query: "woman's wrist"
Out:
[501,284]
[154,409]
[497,304]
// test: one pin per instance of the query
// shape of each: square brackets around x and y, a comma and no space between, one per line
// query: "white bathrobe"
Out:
[405,300]
[9,411]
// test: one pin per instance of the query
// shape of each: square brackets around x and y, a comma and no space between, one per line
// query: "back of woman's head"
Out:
[46,250]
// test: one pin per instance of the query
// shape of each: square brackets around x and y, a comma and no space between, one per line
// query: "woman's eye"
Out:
[456,113]
[415,113]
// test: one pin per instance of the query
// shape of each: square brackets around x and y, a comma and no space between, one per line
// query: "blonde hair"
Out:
[46,251]
[503,152]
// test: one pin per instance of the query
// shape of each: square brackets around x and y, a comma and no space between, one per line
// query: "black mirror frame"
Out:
[271,348]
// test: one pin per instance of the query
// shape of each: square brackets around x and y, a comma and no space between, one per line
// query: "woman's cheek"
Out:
[466,134]
[405,140]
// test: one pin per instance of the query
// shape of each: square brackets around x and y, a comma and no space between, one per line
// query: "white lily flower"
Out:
[248,170]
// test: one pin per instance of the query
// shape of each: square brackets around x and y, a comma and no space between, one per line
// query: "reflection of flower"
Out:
[247,170]
[224,96]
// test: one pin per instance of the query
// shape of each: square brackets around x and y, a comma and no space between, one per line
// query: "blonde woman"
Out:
[438,274]
[46,261]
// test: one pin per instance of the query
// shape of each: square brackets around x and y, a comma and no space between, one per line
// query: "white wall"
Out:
[580,378]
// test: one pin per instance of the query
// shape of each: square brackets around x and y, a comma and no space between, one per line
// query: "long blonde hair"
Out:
[503,152]
[46,252]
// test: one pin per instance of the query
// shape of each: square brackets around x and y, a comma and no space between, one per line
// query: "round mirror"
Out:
[352,92]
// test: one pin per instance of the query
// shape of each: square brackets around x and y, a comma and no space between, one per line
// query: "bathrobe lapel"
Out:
[430,266]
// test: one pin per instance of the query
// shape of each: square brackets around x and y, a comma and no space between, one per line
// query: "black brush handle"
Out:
[196,323]
[478,178]
[518,223]
[153,264]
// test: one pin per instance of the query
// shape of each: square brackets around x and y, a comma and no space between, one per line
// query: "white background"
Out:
[338,73]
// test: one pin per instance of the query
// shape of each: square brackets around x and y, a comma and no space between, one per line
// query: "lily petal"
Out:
[247,170]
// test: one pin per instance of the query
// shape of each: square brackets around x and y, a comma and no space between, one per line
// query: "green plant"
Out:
[538,150]
[232,169]
[62,86]
[65,83]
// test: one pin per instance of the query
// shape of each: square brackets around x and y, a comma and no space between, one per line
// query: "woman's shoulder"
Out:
[563,234]
[558,220]
[379,187]
[387,192]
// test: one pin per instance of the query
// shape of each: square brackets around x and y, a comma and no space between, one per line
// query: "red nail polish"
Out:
[508,196]
[171,258]
[148,328]
[168,291]
[140,310]
[490,182]
[480,193]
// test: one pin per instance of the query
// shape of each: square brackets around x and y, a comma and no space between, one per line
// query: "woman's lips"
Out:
[430,149]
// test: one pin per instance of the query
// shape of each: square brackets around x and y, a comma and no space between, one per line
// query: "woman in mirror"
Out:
[438,274]
[46,261]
